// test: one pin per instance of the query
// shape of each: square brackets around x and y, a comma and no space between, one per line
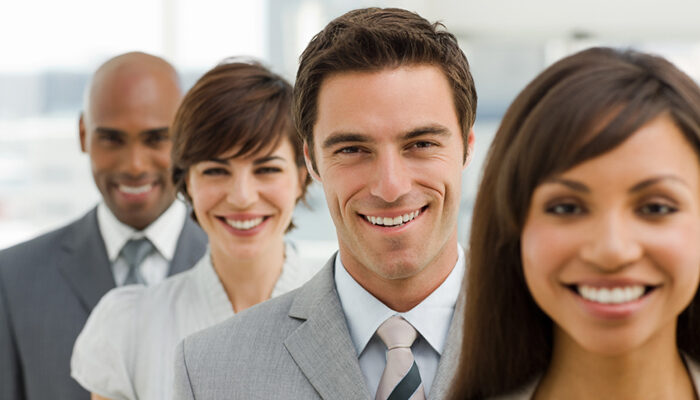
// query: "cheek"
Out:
[286,198]
[342,182]
[204,197]
[677,252]
[334,189]
[542,248]
[545,251]
[103,161]
[161,156]
[281,193]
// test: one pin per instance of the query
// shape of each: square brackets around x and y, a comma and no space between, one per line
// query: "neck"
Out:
[653,371]
[248,282]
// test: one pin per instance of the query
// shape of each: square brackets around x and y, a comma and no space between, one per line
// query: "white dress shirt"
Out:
[431,318]
[127,347]
[163,233]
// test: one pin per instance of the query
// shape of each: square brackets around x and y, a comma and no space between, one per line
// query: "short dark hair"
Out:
[372,39]
[238,103]
[579,108]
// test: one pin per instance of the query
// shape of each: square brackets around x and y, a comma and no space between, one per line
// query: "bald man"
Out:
[49,285]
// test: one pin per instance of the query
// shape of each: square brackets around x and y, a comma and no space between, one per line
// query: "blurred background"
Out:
[48,49]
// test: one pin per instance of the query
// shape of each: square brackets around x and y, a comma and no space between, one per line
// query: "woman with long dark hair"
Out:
[584,255]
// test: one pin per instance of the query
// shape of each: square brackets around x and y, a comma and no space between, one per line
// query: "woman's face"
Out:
[245,204]
[611,247]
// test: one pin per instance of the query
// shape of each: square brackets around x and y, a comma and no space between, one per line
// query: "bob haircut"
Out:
[577,109]
[372,39]
[237,104]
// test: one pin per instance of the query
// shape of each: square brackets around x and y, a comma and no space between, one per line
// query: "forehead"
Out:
[385,102]
[658,147]
[283,149]
[133,101]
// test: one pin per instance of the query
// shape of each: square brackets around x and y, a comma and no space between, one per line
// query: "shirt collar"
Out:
[431,318]
[163,232]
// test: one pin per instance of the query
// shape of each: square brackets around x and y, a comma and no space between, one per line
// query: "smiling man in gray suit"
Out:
[385,103]
[49,285]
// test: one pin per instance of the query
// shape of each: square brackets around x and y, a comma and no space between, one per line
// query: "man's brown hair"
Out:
[372,39]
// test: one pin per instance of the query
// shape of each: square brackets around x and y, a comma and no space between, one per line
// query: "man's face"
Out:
[125,131]
[389,151]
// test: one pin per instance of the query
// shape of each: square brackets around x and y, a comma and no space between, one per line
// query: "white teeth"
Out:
[386,221]
[616,295]
[135,189]
[246,224]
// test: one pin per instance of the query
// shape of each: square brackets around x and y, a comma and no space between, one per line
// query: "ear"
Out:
[470,148]
[309,164]
[82,133]
[303,173]
[187,185]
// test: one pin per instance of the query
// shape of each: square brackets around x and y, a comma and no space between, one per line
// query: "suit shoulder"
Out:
[268,321]
[37,249]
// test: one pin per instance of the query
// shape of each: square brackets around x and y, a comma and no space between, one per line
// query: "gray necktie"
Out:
[134,252]
[401,379]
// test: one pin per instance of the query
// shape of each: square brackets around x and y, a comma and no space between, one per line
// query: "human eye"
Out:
[564,208]
[267,170]
[156,138]
[348,150]
[214,171]
[423,144]
[656,209]
[110,138]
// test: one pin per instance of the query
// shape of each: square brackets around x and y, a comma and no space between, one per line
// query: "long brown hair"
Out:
[580,107]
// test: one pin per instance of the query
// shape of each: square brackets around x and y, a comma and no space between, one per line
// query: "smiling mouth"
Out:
[390,222]
[135,190]
[612,295]
[245,225]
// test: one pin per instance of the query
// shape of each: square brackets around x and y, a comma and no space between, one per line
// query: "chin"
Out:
[611,344]
[244,253]
[393,269]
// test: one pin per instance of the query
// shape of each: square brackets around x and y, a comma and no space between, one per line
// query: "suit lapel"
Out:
[191,246]
[83,261]
[450,355]
[321,346]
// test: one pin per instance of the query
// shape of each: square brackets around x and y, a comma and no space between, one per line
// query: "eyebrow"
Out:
[109,131]
[573,185]
[349,137]
[580,187]
[112,131]
[153,131]
[653,181]
[257,161]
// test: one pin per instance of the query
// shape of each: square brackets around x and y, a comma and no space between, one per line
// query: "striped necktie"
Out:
[401,379]
[134,252]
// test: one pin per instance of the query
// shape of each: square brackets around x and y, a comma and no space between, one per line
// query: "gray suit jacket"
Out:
[48,286]
[296,346]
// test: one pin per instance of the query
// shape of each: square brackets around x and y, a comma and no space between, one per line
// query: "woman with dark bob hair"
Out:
[584,253]
[239,163]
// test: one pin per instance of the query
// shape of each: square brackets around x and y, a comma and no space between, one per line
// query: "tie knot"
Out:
[136,250]
[397,332]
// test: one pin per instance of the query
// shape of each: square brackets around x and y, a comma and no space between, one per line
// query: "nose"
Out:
[391,179]
[613,243]
[242,191]
[136,160]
